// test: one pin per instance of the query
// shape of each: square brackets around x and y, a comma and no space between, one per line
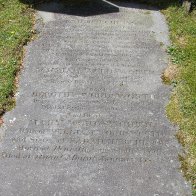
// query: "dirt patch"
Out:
[170,73]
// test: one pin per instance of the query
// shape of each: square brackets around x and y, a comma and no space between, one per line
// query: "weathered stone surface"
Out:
[89,118]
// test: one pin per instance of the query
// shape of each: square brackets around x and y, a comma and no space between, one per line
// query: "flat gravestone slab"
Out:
[90,111]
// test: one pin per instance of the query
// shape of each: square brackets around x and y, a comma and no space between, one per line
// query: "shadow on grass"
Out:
[82,8]
[87,8]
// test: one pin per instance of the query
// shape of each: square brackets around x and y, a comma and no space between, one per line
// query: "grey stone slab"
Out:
[90,111]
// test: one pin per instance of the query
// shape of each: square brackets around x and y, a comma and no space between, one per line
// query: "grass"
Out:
[182,107]
[16,21]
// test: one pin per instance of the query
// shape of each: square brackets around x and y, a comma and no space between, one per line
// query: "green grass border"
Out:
[181,109]
[16,29]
